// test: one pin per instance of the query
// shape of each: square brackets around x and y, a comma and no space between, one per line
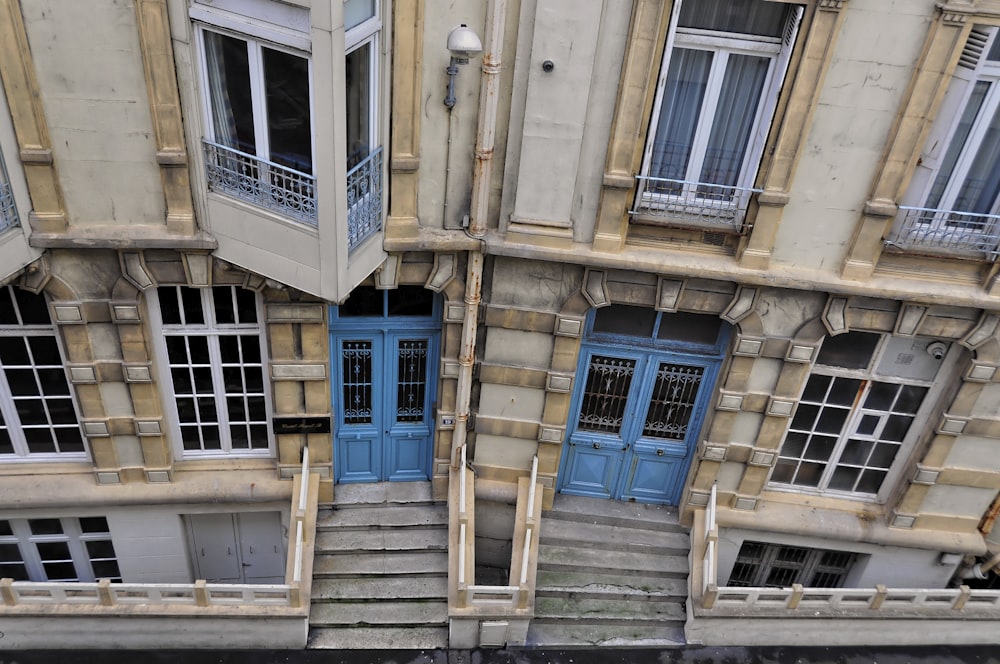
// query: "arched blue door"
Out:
[639,404]
[384,349]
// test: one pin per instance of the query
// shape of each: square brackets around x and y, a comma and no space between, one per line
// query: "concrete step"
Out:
[613,513]
[376,638]
[379,588]
[328,541]
[568,558]
[608,611]
[613,538]
[584,585]
[587,635]
[372,564]
[404,614]
[382,517]
[382,493]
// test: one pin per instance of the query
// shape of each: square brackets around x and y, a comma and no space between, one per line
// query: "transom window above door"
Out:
[860,414]
[644,326]
[723,67]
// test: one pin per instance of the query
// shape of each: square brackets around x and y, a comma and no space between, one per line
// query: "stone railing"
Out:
[510,605]
[711,600]
[105,597]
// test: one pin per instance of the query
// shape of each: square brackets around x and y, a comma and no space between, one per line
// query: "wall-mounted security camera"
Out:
[937,349]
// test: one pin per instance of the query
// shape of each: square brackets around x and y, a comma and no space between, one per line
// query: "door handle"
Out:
[597,446]
[659,452]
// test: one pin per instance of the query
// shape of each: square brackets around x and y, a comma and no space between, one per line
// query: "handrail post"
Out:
[962,598]
[104,594]
[881,591]
[7,592]
[201,592]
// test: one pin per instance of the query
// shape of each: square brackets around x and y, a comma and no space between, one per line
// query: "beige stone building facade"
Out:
[717,278]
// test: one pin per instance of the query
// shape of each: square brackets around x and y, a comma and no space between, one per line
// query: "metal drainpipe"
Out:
[496,13]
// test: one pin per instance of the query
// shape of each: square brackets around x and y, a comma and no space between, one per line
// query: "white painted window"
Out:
[763,565]
[724,64]
[8,212]
[861,411]
[209,340]
[956,186]
[363,24]
[38,419]
[53,549]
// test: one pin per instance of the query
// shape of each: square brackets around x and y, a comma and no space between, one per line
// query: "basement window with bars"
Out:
[210,338]
[762,565]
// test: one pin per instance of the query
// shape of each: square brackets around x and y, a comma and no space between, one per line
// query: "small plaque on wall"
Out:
[301,425]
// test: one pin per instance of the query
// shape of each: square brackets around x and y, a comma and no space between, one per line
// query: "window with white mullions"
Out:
[259,146]
[38,419]
[364,164]
[8,212]
[718,86]
[854,423]
[58,549]
[952,201]
[210,340]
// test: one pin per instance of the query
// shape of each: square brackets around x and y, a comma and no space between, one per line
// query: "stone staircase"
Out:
[610,574]
[380,574]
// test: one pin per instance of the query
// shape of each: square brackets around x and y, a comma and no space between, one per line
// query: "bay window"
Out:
[723,68]
[952,201]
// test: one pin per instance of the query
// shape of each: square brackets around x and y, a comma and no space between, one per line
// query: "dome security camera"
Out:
[937,349]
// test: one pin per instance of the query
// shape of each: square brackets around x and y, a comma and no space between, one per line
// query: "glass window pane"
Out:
[832,420]
[693,328]
[410,301]
[851,350]
[53,550]
[358,97]
[735,119]
[8,315]
[100,549]
[784,471]
[625,320]
[816,388]
[250,345]
[60,571]
[54,381]
[844,478]
[182,379]
[69,439]
[45,526]
[61,411]
[194,313]
[14,352]
[885,454]
[805,416]
[199,350]
[44,350]
[32,307]
[881,396]
[909,399]
[222,298]
[106,569]
[751,17]
[363,301]
[896,428]
[9,553]
[856,452]
[871,481]
[5,529]
[228,65]
[22,382]
[357,12]
[40,441]
[820,448]
[794,444]
[31,412]
[286,86]
[229,349]
[170,311]
[810,473]
[680,110]
[94,524]
[246,306]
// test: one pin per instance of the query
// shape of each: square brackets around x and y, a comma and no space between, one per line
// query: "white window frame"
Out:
[258,98]
[368,32]
[725,44]
[941,222]
[857,411]
[8,407]
[8,208]
[211,331]
[74,538]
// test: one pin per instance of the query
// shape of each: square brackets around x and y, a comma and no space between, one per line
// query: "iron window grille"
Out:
[762,565]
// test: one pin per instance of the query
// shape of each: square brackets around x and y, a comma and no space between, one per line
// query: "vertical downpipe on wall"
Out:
[482,174]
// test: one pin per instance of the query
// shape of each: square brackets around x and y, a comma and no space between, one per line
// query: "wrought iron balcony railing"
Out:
[8,213]
[946,232]
[364,199]
[702,204]
[264,183]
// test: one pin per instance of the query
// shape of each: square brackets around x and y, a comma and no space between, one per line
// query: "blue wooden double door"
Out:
[383,393]
[636,418]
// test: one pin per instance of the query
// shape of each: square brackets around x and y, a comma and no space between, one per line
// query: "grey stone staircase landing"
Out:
[380,572]
[610,574]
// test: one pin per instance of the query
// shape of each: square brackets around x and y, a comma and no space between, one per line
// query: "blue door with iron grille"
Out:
[637,413]
[384,374]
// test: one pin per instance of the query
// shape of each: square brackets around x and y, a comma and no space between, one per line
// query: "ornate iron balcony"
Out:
[946,231]
[272,186]
[684,202]
[364,199]
[8,213]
